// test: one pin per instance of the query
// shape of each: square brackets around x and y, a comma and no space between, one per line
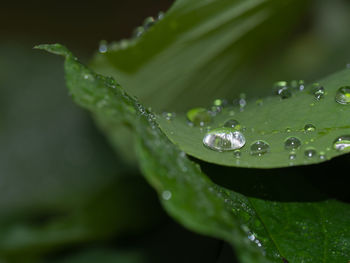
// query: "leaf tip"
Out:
[56,49]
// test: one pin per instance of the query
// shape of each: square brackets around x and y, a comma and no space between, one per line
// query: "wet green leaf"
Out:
[314,123]
[263,217]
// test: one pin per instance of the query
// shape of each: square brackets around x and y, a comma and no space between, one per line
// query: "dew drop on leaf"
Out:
[149,22]
[168,115]
[237,154]
[310,153]
[342,143]
[103,47]
[166,195]
[292,143]
[292,156]
[309,128]
[199,116]
[318,91]
[343,95]
[298,84]
[232,124]
[224,139]
[259,148]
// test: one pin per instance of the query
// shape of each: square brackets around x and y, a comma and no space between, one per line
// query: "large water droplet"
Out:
[342,143]
[343,95]
[310,153]
[318,91]
[281,88]
[199,116]
[232,124]
[224,139]
[309,128]
[259,148]
[292,143]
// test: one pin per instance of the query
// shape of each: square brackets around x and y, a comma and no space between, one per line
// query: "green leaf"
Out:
[201,50]
[281,224]
[274,120]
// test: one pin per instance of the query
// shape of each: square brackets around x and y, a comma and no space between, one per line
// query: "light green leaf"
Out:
[274,120]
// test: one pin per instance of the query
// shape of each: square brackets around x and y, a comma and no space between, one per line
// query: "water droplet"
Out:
[343,95]
[309,128]
[169,115]
[160,15]
[292,143]
[259,102]
[342,143]
[318,91]
[288,129]
[310,153]
[224,139]
[103,47]
[149,22]
[251,237]
[199,116]
[138,32]
[259,148]
[292,156]
[166,195]
[281,88]
[298,84]
[232,124]
[322,156]
[237,154]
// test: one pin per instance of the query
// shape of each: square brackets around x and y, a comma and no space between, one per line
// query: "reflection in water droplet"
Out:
[309,128]
[310,153]
[318,91]
[343,95]
[224,139]
[281,88]
[342,143]
[103,47]
[292,156]
[322,156]
[232,124]
[259,148]
[292,143]
[166,195]
[199,116]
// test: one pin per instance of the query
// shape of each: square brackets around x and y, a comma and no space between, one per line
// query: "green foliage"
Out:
[201,51]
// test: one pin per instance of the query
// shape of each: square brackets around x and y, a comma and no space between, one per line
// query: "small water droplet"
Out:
[292,143]
[281,88]
[310,153]
[259,148]
[318,91]
[322,156]
[224,139]
[199,116]
[166,195]
[138,32]
[149,22]
[342,143]
[251,237]
[343,95]
[232,124]
[160,15]
[298,84]
[309,128]
[292,156]
[169,115]
[103,47]
[237,154]
[288,129]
